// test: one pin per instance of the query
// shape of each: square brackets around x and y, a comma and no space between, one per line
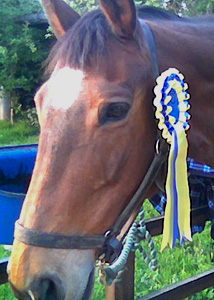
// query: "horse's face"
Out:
[96,143]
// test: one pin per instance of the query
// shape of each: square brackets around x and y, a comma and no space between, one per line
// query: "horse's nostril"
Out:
[46,289]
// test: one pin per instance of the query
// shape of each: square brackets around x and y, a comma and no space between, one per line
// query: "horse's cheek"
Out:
[115,165]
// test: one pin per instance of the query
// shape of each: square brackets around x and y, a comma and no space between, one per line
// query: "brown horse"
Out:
[98,132]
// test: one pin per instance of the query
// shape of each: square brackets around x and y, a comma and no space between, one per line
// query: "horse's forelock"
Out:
[84,44]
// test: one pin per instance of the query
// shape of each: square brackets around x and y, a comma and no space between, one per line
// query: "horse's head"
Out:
[96,144]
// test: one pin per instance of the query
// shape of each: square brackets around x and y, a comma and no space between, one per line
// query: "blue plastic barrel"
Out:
[16,166]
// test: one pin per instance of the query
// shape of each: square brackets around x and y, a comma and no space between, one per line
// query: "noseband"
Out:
[107,243]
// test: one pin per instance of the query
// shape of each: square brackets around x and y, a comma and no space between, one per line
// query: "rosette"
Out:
[172,105]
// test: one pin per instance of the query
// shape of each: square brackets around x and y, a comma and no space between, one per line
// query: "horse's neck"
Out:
[189,46]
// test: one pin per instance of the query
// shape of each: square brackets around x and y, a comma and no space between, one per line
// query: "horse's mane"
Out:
[156,13]
[86,43]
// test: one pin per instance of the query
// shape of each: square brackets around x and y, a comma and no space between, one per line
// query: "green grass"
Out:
[17,133]
[5,291]
[175,265]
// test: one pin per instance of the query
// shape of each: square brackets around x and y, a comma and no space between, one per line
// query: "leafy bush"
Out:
[22,50]
[184,7]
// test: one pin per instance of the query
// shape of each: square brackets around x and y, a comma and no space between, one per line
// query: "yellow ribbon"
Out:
[177,173]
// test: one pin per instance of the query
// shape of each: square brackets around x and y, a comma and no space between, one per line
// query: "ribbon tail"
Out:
[182,183]
[177,213]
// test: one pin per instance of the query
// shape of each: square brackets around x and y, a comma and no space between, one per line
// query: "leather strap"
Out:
[152,48]
[57,241]
[139,195]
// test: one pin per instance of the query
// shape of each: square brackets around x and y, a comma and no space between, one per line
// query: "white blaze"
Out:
[65,86]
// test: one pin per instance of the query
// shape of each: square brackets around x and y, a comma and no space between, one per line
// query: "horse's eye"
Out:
[113,112]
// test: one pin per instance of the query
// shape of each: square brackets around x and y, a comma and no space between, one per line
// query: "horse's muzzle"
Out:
[45,288]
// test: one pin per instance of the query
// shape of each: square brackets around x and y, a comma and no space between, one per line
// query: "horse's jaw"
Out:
[43,274]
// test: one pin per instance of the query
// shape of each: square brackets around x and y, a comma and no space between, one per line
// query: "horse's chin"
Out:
[87,293]
[53,274]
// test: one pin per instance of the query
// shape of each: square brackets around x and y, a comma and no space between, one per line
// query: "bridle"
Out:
[108,242]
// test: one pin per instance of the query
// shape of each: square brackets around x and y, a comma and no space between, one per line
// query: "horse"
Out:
[98,134]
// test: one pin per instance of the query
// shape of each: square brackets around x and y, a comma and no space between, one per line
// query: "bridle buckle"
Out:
[112,248]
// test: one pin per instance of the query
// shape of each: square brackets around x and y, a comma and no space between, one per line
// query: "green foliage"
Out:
[22,48]
[175,265]
[31,117]
[17,133]
[182,7]
[28,115]
[82,6]
[200,7]
[5,291]
[190,7]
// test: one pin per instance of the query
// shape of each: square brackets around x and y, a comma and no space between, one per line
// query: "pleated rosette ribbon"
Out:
[172,105]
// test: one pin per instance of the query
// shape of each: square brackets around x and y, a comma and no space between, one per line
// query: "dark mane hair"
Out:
[156,13]
[85,44]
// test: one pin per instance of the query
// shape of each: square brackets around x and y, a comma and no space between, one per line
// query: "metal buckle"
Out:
[112,249]
[157,146]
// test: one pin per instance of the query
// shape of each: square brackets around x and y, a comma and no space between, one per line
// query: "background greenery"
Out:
[182,7]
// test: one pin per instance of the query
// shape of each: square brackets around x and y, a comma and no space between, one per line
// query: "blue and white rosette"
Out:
[172,105]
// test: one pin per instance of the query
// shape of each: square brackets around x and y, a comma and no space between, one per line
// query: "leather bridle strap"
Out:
[56,240]
[152,48]
[137,200]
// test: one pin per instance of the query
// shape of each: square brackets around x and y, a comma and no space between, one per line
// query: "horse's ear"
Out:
[121,14]
[60,15]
